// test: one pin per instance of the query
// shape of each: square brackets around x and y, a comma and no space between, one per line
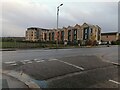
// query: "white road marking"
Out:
[26,60]
[112,62]
[14,64]
[35,59]
[23,62]
[72,65]
[29,62]
[105,60]
[67,63]
[52,59]
[114,81]
[40,60]
[9,62]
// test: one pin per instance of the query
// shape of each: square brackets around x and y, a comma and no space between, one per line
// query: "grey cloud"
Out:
[17,17]
[103,14]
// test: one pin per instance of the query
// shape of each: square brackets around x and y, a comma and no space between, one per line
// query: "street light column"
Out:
[57,27]
[57,16]
[57,22]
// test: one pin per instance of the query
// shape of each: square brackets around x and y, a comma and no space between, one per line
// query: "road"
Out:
[110,53]
[66,68]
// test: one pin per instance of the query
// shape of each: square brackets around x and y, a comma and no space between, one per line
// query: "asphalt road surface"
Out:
[109,53]
[67,68]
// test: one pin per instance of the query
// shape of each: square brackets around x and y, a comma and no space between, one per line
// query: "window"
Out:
[85,30]
[69,32]
[91,30]
[62,35]
[85,37]
[75,37]
[45,36]
[53,36]
[75,31]
[75,34]
[49,36]
[58,34]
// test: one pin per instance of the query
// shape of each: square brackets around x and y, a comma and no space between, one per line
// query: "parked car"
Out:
[106,43]
[103,43]
[99,43]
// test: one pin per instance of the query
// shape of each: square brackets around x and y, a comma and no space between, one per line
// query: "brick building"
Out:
[111,36]
[36,34]
[69,34]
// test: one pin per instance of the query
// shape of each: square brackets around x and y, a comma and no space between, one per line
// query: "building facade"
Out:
[36,34]
[90,32]
[66,34]
[111,36]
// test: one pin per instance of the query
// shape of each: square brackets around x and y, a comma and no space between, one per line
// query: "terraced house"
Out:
[66,34]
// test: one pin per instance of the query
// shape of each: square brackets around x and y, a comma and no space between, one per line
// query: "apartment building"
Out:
[92,32]
[36,34]
[82,33]
[69,34]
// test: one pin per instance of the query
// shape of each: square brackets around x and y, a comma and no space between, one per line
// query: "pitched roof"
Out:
[36,28]
[87,24]
[109,33]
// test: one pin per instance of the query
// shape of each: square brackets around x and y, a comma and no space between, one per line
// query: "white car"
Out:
[99,42]
[103,43]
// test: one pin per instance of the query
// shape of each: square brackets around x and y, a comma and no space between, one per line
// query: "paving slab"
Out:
[47,69]
[87,62]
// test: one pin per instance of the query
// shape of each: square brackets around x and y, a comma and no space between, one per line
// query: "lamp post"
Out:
[57,22]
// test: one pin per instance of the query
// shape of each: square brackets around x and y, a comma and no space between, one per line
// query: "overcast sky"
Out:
[18,15]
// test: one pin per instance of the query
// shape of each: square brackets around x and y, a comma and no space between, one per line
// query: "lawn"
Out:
[27,45]
[20,45]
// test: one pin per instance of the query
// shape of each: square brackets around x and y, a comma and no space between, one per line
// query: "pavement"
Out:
[12,82]
[81,71]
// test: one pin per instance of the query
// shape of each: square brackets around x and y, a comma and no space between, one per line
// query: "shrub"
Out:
[115,42]
[89,42]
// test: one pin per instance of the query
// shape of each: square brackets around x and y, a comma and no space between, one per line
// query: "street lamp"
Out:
[57,21]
